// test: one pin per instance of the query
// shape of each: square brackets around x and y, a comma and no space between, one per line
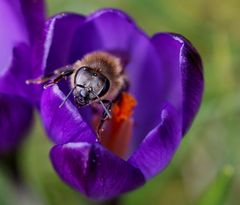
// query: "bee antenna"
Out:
[104,107]
[63,102]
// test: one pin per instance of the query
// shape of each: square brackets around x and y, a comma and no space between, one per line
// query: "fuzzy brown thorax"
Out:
[107,65]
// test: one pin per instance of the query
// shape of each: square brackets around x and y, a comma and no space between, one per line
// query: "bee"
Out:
[97,78]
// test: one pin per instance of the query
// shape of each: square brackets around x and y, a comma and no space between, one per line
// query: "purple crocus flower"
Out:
[21,22]
[165,78]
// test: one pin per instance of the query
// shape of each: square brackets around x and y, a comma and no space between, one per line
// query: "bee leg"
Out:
[100,129]
[104,117]
[63,69]
[59,77]
[108,106]
[41,80]
[64,72]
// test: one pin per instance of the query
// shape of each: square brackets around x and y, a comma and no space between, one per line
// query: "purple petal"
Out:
[183,72]
[23,22]
[159,146]
[15,120]
[58,39]
[34,14]
[13,30]
[63,124]
[13,80]
[106,29]
[94,171]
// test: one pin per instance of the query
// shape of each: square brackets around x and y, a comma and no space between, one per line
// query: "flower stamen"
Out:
[118,131]
[124,109]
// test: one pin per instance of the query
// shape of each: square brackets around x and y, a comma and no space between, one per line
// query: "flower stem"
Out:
[9,163]
[114,201]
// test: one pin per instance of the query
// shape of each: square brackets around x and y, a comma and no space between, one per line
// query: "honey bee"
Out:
[97,78]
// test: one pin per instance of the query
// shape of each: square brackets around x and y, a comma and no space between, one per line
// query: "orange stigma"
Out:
[124,110]
[118,130]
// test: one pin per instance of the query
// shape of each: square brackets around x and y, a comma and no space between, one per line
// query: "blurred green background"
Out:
[206,168]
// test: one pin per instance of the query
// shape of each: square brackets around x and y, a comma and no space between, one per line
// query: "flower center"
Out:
[117,131]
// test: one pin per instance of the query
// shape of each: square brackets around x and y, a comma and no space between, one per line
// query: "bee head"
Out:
[89,86]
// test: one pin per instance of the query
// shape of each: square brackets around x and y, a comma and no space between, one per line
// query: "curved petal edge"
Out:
[63,124]
[94,171]
[159,146]
[186,74]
